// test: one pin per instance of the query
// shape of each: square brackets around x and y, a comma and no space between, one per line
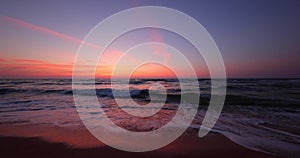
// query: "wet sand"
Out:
[43,141]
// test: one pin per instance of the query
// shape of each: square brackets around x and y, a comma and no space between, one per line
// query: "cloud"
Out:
[27,68]
[29,61]
[159,50]
[47,31]
[20,68]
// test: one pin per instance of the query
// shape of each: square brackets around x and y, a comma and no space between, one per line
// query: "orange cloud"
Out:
[28,61]
[21,68]
[26,68]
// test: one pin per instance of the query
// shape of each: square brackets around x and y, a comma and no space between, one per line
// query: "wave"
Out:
[245,92]
[11,90]
[173,95]
[34,91]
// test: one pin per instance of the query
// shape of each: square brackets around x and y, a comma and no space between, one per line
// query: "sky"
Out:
[257,38]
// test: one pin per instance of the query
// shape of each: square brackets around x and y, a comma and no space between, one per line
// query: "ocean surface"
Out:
[260,114]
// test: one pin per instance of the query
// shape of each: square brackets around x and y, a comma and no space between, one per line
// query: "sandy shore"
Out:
[40,141]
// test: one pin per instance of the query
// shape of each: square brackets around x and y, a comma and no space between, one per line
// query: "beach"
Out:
[41,141]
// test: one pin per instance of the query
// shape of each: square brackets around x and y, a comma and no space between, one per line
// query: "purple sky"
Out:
[258,38]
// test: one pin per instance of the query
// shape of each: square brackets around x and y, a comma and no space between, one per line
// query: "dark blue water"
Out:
[261,114]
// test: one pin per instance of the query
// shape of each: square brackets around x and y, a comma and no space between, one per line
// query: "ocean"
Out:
[259,114]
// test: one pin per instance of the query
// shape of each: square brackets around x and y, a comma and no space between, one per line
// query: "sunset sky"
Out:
[256,38]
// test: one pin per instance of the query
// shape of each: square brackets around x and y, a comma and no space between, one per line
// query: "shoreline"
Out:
[61,142]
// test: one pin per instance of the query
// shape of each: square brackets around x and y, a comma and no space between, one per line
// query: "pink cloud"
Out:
[2,60]
[159,50]
[47,31]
